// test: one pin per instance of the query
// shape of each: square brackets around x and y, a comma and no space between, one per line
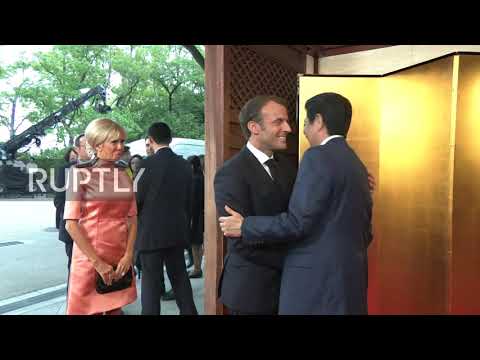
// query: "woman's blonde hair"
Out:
[100,131]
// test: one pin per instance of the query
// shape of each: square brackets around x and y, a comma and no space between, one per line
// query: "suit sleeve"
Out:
[370,227]
[197,201]
[142,186]
[232,191]
[310,198]
[59,181]
[189,198]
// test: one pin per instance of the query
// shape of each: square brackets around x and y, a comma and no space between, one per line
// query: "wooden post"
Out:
[217,99]
[223,136]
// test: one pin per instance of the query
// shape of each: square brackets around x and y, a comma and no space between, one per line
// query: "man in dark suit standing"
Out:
[256,182]
[164,214]
[328,221]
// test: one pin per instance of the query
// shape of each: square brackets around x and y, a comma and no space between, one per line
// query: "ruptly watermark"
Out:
[99,180]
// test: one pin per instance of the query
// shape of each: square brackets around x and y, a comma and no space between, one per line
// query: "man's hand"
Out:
[231,225]
[371,182]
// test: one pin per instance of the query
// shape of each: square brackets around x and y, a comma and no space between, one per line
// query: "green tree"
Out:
[197,54]
[145,83]
[63,73]
[159,83]
[174,70]
[18,80]
[134,101]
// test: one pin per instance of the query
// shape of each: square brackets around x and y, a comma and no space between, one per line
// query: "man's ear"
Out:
[253,127]
[319,121]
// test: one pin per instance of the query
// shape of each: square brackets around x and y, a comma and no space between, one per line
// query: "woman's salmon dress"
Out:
[101,200]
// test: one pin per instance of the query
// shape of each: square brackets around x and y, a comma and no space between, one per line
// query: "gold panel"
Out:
[402,128]
[465,284]
[412,215]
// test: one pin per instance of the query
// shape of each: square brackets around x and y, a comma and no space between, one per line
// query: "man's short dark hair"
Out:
[77,140]
[160,133]
[252,111]
[335,109]
[66,157]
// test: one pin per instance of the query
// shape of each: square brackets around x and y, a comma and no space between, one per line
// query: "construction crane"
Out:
[11,177]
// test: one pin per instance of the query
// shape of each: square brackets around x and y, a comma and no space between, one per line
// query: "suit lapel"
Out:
[260,177]
[258,172]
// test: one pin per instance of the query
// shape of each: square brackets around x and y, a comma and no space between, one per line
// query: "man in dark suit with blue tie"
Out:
[328,222]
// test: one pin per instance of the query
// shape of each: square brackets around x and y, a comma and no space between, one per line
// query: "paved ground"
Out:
[28,304]
[39,261]
[33,263]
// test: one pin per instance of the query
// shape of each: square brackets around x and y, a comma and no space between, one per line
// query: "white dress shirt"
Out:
[330,138]
[261,157]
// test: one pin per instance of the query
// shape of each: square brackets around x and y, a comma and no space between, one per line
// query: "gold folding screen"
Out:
[415,131]
[465,284]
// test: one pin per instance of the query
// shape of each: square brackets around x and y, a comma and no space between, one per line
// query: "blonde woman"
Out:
[101,218]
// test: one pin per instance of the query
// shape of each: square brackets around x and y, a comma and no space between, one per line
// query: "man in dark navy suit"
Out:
[328,222]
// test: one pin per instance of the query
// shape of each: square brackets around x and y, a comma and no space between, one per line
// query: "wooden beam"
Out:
[304,49]
[217,102]
[314,50]
[347,49]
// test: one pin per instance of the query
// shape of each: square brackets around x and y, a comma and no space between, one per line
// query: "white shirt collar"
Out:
[330,138]
[261,156]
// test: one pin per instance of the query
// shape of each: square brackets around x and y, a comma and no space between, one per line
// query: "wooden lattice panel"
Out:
[252,75]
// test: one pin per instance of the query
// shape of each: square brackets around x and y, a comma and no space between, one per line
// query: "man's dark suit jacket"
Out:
[250,281]
[164,202]
[59,202]
[198,209]
[329,222]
